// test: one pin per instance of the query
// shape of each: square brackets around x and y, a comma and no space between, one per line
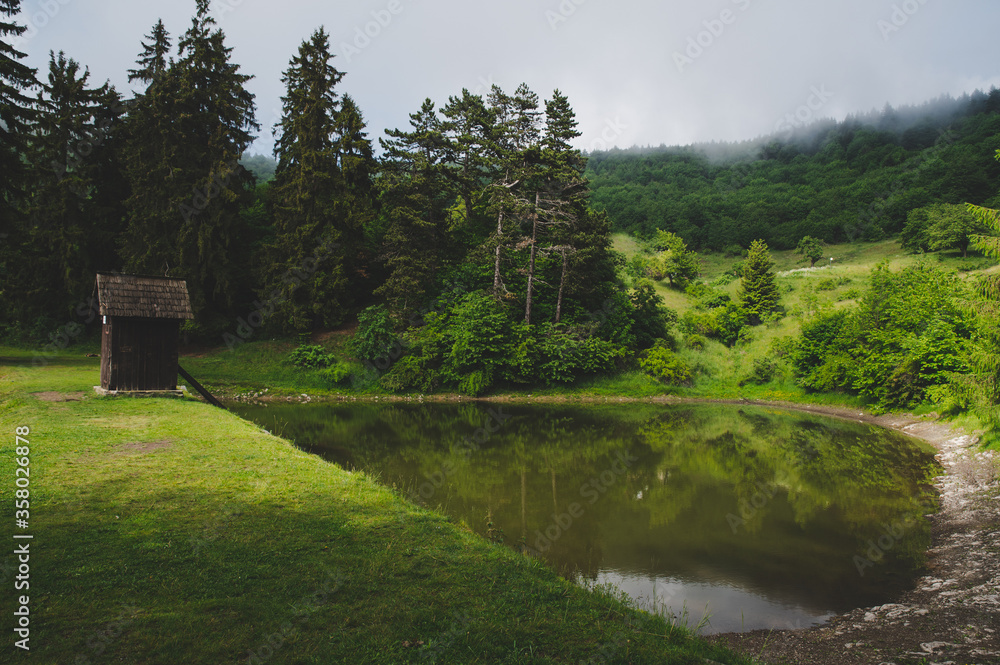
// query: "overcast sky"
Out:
[637,72]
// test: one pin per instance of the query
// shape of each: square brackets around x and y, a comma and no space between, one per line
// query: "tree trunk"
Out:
[562,283]
[496,265]
[531,261]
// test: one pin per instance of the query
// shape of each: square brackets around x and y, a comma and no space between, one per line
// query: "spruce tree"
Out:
[151,152]
[322,192]
[187,133]
[72,220]
[414,201]
[758,290]
[17,81]
[17,112]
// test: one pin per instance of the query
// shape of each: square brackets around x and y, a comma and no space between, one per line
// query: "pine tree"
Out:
[154,60]
[187,133]
[758,290]
[17,80]
[72,222]
[414,200]
[560,207]
[516,128]
[17,112]
[217,116]
[322,192]
[151,153]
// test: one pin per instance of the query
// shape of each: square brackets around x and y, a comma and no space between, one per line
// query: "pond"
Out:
[735,518]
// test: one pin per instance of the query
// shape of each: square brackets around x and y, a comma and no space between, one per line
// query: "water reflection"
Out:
[765,517]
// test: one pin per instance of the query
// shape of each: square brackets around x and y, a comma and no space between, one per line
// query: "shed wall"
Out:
[139,354]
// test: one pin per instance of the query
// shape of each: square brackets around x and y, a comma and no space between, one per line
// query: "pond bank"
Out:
[953,615]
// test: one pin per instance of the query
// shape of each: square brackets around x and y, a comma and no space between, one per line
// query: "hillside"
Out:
[840,181]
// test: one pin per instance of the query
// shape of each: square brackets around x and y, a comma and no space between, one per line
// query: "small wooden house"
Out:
[141,319]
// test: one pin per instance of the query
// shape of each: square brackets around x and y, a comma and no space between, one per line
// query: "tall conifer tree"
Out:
[73,223]
[322,192]
[17,80]
[414,198]
[187,133]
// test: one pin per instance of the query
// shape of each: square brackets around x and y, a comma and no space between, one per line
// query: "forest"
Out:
[857,179]
[473,250]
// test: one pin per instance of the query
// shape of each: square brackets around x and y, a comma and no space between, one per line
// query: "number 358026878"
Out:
[22,474]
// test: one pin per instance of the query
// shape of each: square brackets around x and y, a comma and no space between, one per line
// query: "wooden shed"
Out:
[141,319]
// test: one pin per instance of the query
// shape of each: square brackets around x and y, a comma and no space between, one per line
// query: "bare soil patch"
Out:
[142,447]
[53,396]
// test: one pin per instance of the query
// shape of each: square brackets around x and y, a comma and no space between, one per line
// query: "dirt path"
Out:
[953,615]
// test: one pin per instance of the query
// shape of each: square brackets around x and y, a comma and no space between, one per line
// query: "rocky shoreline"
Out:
[952,617]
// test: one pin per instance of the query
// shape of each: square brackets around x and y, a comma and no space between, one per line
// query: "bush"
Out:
[339,373]
[763,371]
[562,355]
[375,336]
[311,356]
[663,364]
[651,319]
[696,342]
[832,283]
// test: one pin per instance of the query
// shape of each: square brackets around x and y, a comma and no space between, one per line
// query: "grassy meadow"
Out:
[168,531]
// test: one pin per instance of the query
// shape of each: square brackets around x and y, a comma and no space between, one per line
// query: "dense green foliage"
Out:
[940,226]
[473,251]
[834,181]
[908,335]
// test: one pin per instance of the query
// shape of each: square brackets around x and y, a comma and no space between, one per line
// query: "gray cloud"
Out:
[743,65]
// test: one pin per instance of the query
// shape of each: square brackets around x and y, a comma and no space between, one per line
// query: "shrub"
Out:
[696,342]
[312,356]
[339,373]
[562,355]
[832,283]
[729,322]
[663,364]
[375,336]
[651,319]
[763,371]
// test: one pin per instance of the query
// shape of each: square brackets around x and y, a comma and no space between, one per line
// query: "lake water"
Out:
[741,517]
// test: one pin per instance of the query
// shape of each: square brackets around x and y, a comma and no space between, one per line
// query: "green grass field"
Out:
[168,531]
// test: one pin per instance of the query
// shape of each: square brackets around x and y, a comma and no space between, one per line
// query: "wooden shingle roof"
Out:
[147,297]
